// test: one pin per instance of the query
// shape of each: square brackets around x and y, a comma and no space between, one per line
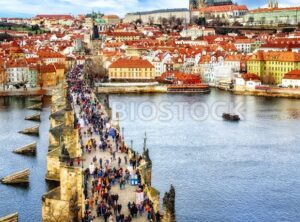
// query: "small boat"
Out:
[190,88]
[231,117]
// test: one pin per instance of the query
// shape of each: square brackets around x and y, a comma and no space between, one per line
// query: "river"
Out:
[25,201]
[222,171]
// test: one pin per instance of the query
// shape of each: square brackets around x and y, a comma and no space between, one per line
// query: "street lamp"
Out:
[123,133]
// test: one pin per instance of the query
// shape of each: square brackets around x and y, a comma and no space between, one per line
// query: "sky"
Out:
[27,8]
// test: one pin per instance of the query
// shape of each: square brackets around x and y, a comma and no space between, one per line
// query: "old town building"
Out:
[157,16]
[274,64]
[291,79]
[131,69]
[273,15]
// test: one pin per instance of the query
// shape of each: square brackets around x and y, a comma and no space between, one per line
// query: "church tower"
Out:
[197,4]
[194,4]
[270,3]
[201,3]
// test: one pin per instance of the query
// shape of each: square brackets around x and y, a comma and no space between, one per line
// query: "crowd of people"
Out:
[97,135]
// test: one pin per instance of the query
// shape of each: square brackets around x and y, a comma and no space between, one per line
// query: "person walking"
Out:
[100,162]
[119,161]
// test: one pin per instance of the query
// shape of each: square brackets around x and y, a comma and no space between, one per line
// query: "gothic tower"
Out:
[201,4]
[197,4]
[194,4]
[276,5]
[270,3]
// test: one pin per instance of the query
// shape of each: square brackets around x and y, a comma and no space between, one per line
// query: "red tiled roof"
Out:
[49,54]
[244,41]
[111,16]
[182,77]
[32,60]
[233,57]
[261,10]
[59,66]
[54,17]
[250,76]
[131,63]
[123,34]
[280,46]
[294,74]
[16,63]
[223,8]
[47,68]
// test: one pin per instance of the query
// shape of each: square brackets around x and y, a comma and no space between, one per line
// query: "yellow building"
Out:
[131,69]
[3,77]
[48,75]
[60,72]
[135,50]
[274,64]
[123,36]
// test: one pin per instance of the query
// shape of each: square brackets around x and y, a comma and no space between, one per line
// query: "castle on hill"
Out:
[198,4]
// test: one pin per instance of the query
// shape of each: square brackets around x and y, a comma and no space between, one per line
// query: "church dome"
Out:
[100,21]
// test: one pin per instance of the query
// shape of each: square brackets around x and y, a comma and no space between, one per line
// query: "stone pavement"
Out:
[125,196]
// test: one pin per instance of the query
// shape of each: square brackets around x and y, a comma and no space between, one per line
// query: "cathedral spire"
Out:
[194,4]
[270,3]
[276,4]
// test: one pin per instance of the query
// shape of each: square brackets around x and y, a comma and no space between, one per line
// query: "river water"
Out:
[26,201]
[222,171]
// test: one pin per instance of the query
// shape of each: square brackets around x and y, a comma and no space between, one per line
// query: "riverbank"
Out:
[267,92]
[274,93]
[27,93]
[132,89]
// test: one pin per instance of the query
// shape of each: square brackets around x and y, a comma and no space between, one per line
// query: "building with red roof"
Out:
[221,11]
[131,69]
[178,77]
[56,17]
[3,77]
[291,79]
[48,75]
[247,81]
[49,56]
[275,64]
[111,19]
[273,15]
[123,36]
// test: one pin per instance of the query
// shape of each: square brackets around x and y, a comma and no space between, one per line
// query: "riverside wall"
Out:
[273,94]
[65,202]
[28,93]
[132,89]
